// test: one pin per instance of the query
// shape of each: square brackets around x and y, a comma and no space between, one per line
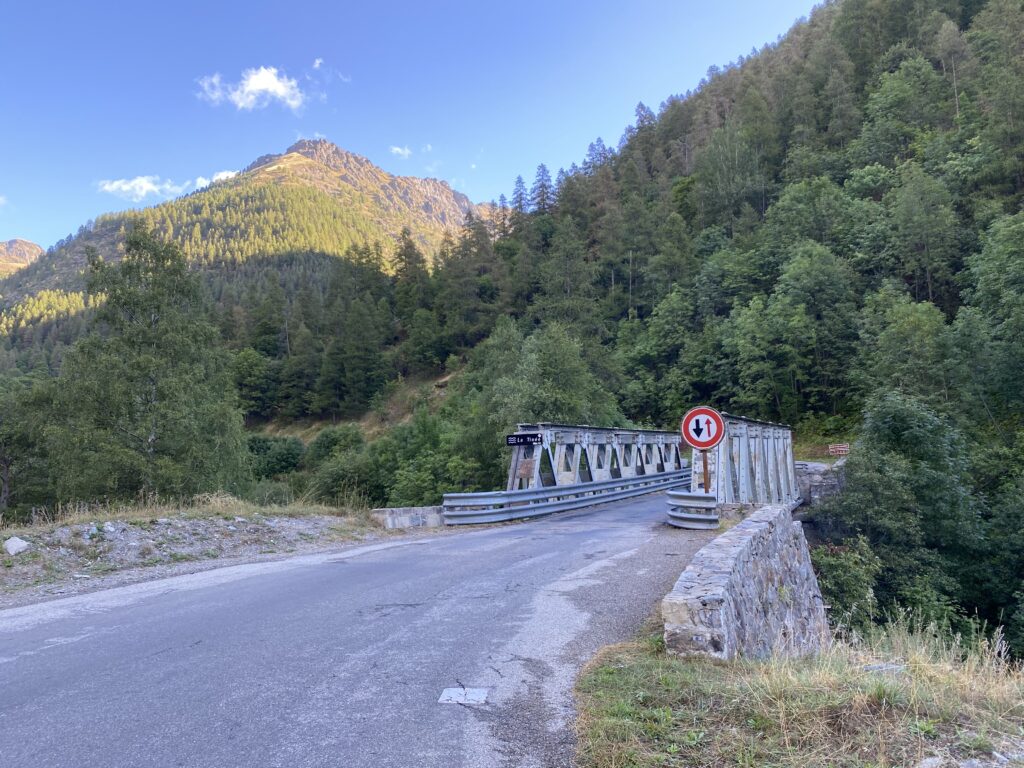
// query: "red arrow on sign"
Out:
[703,428]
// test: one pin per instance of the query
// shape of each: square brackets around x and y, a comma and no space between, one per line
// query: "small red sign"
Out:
[703,428]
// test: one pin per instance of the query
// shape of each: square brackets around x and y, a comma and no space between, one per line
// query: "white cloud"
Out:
[257,89]
[428,147]
[403,152]
[212,89]
[317,63]
[141,187]
[261,86]
[3,201]
[472,166]
[202,181]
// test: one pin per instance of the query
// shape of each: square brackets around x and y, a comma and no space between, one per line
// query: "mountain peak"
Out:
[320,151]
[17,253]
[310,147]
[327,153]
[427,204]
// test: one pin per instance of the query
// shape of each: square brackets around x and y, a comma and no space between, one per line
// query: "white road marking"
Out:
[468,696]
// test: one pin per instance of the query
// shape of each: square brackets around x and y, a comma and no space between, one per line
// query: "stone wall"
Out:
[409,517]
[750,592]
[818,480]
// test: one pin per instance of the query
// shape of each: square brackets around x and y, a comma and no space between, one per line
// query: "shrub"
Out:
[274,456]
[847,576]
[270,493]
[332,440]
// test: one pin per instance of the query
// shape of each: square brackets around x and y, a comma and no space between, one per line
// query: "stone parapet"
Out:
[818,480]
[751,592]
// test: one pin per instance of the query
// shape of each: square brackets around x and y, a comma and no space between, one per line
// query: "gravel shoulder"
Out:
[69,559]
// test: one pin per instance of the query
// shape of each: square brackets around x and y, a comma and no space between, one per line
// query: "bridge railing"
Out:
[752,465]
[499,506]
[565,454]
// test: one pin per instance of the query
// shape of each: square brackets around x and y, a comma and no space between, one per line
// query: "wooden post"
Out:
[707,472]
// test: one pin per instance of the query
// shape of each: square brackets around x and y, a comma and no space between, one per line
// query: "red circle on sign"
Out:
[703,428]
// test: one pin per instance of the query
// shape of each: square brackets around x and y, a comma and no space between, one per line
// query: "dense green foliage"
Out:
[510,378]
[827,233]
[144,404]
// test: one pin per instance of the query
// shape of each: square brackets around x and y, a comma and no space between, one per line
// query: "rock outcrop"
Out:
[818,480]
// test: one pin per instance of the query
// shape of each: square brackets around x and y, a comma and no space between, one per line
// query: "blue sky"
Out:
[111,105]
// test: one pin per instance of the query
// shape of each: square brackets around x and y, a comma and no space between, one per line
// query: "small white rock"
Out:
[15,546]
[930,762]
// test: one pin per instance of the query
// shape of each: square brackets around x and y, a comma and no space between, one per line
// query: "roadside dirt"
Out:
[67,560]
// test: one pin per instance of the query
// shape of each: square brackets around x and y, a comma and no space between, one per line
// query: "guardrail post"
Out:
[694,511]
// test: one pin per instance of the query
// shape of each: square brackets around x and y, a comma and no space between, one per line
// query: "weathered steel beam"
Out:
[752,465]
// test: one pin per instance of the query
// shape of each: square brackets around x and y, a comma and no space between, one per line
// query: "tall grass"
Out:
[904,692]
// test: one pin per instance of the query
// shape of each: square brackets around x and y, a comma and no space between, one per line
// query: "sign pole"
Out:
[707,471]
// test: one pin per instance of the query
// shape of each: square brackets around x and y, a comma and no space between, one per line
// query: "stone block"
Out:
[15,546]
[818,480]
[409,517]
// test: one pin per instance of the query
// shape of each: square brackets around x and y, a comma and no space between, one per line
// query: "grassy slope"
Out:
[401,400]
[641,707]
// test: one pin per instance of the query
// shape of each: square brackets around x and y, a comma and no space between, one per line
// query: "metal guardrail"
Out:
[499,506]
[694,511]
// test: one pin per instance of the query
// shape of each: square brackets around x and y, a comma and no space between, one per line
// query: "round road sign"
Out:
[703,428]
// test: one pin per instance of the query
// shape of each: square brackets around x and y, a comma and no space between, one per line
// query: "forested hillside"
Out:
[313,198]
[827,233]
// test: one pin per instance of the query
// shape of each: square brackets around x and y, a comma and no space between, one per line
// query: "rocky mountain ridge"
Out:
[17,253]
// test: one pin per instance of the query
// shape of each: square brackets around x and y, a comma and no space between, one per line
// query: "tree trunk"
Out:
[5,485]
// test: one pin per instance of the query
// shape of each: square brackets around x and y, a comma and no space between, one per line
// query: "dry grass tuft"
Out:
[889,700]
[207,505]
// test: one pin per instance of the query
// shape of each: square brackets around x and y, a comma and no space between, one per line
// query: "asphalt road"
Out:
[339,659]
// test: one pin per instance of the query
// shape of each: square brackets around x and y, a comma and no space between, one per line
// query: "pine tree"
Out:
[542,193]
[520,201]
[412,281]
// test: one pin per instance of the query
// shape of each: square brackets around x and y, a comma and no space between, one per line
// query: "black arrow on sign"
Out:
[698,430]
